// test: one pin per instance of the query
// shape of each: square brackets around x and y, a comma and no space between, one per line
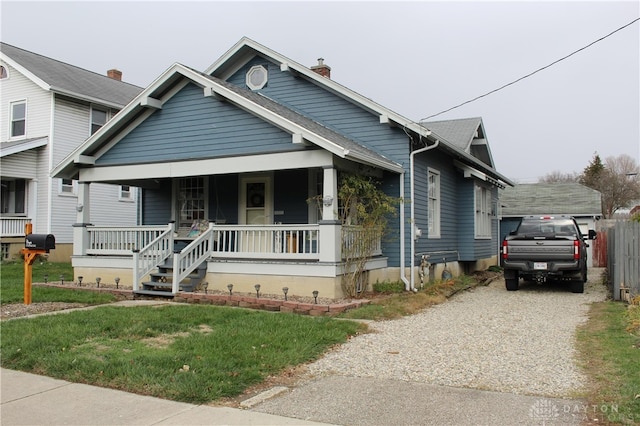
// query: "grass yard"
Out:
[184,353]
[12,285]
[609,346]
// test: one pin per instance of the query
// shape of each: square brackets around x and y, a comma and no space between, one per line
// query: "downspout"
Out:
[409,286]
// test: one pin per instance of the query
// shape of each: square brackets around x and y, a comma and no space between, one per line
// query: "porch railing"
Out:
[192,256]
[13,226]
[266,241]
[151,255]
[116,240]
[359,242]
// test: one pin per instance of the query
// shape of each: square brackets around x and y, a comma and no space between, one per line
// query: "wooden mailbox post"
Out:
[34,244]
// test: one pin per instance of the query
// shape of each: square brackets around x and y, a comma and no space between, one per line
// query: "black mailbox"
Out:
[40,242]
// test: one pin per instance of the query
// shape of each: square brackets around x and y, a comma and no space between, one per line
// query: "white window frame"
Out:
[260,84]
[12,119]
[92,121]
[186,198]
[127,195]
[482,211]
[62,188]
[434,202]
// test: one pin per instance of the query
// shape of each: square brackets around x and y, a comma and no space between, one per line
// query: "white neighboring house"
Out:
[47,109]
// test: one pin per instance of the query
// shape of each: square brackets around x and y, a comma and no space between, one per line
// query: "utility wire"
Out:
[532,73]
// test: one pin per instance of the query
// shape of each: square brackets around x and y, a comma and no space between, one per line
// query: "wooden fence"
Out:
[623,259]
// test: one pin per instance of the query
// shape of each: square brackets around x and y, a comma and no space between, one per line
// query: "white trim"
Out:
[132,194]
[485,205]
[231,96]
[93,109]
[22,70]
[23,146]
[212,166]
[150,102]
[267,179]
[366,103]
[73,186]
[437,223]
[254,69]
[13,137]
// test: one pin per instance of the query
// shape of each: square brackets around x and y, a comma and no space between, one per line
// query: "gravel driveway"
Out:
[487,339]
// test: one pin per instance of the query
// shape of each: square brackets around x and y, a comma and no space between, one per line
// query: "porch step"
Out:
[163,278]
[154,293]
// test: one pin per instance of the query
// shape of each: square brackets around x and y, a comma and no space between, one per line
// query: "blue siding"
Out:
[223,199]
[443,248]
[156,204]
[192,126]
[291,193]
[330,110]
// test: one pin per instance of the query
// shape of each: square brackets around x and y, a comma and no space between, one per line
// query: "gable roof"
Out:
[466,134]
[245,49]
[551,198]
[69,80]
[176,77]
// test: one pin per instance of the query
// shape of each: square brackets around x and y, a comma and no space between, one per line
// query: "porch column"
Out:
[83,216]
[330,228]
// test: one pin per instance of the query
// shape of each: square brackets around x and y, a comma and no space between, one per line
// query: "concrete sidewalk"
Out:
[29,399]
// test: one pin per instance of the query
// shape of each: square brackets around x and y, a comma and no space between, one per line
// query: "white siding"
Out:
[18,87]
[20,165]
[71,127]
[107,209]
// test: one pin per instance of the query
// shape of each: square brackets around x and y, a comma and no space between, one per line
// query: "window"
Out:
[18,119]
[191,201]
[257,77]
[3,72]
[434,203]
[68,187]
[483,212]
[4,251]
[126,193]
[14,196]
[98,119]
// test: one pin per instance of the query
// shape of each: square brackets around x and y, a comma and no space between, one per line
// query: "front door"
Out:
[256,205]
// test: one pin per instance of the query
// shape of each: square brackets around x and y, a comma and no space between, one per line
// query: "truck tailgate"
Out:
[548,250]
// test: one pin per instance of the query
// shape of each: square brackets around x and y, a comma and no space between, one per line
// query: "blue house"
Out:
[228,158]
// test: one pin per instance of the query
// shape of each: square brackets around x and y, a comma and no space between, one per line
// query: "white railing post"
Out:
[136,266]
[175,285]
[329,237]
[83,215]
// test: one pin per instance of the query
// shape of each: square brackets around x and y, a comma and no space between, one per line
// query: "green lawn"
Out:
[184,353]
[609,346]
[12,285]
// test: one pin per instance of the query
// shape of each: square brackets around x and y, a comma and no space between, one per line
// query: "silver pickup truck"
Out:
[546,248]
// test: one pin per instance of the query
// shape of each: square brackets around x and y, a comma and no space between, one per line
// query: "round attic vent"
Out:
[257,77]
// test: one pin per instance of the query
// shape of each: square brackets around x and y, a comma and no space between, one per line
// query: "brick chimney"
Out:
[115,74]
[322,69]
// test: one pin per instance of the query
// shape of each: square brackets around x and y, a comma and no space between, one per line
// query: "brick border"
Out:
[249,302]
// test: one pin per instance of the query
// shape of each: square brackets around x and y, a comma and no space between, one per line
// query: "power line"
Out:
[532,73]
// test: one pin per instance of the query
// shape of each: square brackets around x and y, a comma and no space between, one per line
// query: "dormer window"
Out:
[257,77]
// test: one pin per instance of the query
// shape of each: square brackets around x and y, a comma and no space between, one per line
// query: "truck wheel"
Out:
[511,284]
[577,286]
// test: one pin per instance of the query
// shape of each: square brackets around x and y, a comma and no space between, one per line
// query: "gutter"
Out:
[409,284]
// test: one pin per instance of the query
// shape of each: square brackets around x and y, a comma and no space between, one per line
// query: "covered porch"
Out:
[241,228]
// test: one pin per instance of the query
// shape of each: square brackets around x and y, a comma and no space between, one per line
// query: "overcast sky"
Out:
[415,58]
